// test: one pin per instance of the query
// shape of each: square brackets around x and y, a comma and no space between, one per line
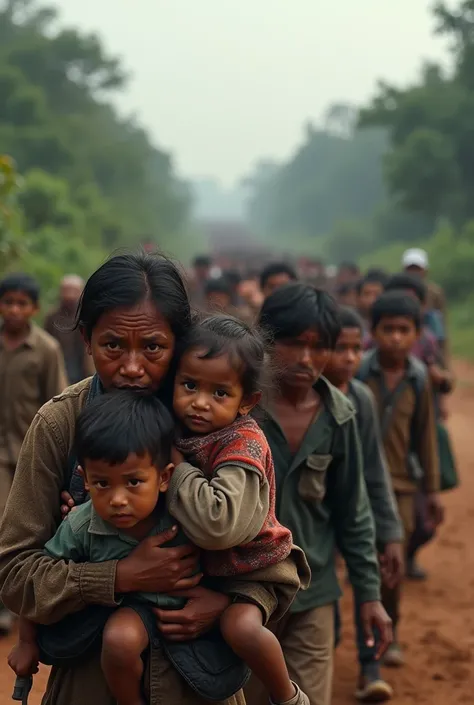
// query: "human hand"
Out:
[434,508]
[24,659]
[392,564]
[151,568]
[68,504]
[373,615]
[203,608]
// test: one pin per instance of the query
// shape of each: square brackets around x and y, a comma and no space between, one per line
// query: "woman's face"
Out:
[132,347]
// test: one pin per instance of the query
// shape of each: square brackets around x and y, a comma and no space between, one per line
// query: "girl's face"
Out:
[132,347]
[208,393]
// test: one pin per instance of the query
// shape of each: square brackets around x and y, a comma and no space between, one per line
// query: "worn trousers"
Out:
[307,641]
[7,470]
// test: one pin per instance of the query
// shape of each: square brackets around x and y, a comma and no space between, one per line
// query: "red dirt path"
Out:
[438,617]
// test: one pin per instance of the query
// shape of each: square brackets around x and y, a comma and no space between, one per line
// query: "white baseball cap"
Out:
[415,257]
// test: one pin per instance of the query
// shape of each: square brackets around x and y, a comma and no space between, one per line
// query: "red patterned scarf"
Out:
[242,444]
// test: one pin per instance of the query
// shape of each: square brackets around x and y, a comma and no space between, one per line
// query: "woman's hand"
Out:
[151,568]
[201,612]
[67,505]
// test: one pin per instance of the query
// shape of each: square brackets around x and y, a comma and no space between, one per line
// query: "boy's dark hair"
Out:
[408,282]
[245,345]
[295,308]
[373,276]
[218,286]
[233,276]
[116,424]
[202,261]
[277,268]
[349,318]
[21,282]
[393,304]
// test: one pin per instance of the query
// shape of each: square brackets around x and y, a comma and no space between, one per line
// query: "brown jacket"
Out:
[29,377]
[45,590]
[398,439]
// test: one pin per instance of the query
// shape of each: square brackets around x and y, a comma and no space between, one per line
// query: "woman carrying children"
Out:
[133,313]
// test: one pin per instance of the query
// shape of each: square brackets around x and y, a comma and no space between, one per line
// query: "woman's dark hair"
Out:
[373,276]
[271,270]
[296,308]
[116,424]
[408,282]
[349,318]
[126,280]
[20,282]
[245,345]
[393,304]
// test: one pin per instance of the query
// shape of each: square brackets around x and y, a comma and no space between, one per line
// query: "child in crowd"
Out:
[230,502]
[31,372]
[369,288]
[340,371]
[123,443]
[225,500]
[346,294]
[404,401]
[428,350]
[276,275]
[321,494]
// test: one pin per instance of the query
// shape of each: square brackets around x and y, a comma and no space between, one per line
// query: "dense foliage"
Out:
[92,180]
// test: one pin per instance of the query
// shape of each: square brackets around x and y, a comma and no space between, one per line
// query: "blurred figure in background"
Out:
[219,298]
[31,373]
[415,261]
[369,288]
[202,265]
[276,275]
[250,293]
[59,324]
[347,272]
[346,295]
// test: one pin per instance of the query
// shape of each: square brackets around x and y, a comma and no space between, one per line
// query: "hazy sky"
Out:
[221,83]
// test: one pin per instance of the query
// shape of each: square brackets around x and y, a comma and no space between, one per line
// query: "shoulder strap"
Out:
[418,381]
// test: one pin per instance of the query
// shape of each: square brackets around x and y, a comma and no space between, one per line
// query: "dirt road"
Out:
[438,617]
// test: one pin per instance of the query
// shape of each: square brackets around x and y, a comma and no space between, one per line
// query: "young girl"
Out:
[225,500]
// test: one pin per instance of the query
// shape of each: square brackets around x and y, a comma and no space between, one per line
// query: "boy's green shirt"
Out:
[322,498]
[83,537]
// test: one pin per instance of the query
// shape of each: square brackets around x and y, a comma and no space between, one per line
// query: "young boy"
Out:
[340,371]
[276,275]
[404,401]
[31,372]
[369,288]
[428,350]
[321,494]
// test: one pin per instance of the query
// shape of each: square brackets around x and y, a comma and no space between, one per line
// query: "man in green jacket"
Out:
[321,493]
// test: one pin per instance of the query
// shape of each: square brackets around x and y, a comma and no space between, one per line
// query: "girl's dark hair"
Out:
[116,424]
[396,303]
[126,280]
[349,318]
[225,335]
[408,282]
[295,308]
[20,282]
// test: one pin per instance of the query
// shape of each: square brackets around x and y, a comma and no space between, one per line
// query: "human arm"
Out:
[220,512]
[353,520]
